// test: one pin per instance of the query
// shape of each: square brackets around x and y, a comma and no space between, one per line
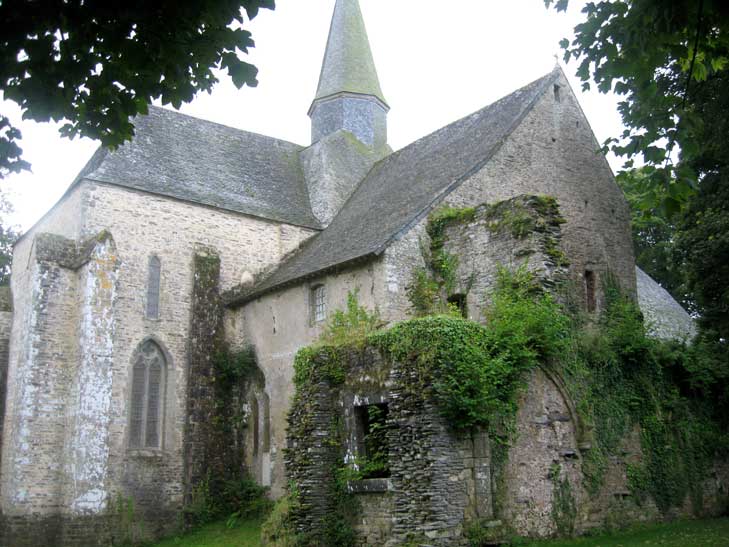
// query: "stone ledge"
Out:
[369,486]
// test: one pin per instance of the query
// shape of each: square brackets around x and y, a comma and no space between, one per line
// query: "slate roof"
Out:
[664,316]
[402,188]
[207,163]
[348,65]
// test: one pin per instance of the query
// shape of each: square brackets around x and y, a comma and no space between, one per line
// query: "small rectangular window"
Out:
[318,304]
[557,93]
[372,443]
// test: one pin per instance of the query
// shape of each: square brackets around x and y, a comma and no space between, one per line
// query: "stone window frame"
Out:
[317,303]
[154,284]
[162,403]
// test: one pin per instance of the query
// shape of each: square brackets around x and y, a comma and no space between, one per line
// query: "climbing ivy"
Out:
[621,379]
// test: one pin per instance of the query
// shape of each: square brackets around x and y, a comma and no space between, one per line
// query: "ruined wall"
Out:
[553,152]
[443,483]
[277,325]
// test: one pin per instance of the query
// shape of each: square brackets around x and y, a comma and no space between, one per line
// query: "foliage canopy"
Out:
[95,65]
[661,56]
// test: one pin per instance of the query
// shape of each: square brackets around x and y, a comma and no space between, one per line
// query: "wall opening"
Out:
[590,288]
[558,93]
[459,301]
[255,416]
[372,445]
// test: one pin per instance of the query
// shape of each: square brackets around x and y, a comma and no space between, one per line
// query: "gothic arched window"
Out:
[153,277]
[146,411]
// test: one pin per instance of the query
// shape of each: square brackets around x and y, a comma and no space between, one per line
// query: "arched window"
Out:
[153,276]
[146,411]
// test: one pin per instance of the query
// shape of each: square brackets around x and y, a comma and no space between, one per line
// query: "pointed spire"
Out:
[348,65]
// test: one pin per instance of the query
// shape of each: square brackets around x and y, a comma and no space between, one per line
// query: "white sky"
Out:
[435,64]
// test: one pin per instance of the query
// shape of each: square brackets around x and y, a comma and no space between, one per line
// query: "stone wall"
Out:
[553,152]
[6,321]
[443,482]
[277,325]
[177,233]
[65,325]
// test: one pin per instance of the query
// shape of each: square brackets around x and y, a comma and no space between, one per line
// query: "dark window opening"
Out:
[372,446]
[459,301]
[557,96]
[590,291]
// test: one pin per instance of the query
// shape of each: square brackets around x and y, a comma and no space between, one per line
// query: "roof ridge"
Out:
[226,126]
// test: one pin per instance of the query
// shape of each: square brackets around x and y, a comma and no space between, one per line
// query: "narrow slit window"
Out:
[590,296]
[557,93]
[318,304]
[266,434]
[153,281]
[146,409]
[254,423]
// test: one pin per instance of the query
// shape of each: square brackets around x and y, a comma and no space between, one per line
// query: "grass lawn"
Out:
[692,533]
[687,533]
[245,534]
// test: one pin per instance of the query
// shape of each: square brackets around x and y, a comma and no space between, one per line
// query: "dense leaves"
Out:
[94,65]
[473,371]
[659,56]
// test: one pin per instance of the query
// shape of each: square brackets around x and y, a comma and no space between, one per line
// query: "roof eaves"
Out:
[234,299]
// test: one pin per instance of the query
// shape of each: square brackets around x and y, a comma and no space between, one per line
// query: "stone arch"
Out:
[544,460]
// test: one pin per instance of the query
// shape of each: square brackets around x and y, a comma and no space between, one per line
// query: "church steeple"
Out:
[349,96]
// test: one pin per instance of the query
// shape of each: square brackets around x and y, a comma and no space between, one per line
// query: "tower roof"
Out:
[348,65]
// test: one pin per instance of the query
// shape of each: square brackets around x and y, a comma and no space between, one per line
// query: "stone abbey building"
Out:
[196,234]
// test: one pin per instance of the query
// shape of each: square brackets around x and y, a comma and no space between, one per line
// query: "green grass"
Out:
[245,534]
[692,533]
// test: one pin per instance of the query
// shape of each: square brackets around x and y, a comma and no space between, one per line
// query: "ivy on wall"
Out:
[620,380]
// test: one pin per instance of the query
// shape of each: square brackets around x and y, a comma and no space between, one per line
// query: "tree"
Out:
[654,237]
[657,55]
[670,61]
[94,66]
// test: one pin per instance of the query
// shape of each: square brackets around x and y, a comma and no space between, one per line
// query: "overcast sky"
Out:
[435,65]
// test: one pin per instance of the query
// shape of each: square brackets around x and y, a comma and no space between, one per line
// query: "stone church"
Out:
[103,382]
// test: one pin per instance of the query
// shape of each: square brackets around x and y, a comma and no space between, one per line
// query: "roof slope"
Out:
[348,65]
[402,187]
[204,162]
[664,316]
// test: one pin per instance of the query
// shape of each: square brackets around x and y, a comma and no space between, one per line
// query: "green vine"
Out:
[564,508]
